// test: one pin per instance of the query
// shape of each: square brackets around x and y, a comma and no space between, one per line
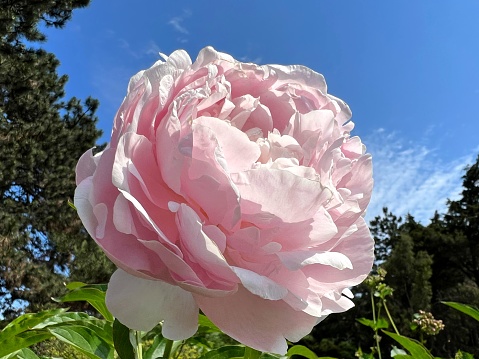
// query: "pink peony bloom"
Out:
[232,188]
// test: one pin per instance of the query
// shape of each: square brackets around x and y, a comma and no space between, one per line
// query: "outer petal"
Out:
[256,322]
[86,165]
[141,304]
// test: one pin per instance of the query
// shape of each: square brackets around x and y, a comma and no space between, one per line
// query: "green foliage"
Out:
[416,349]
[375,325]
[91,294]
[20,18]
[42,135]
[466,309]
[121,340]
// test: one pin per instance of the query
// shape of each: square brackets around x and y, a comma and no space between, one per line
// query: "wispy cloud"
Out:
[152,49]
[177,23]
[412,178]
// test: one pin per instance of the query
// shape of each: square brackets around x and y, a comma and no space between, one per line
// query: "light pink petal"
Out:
[339,305]
[345,112]
[86,165]
[216,235]
[84,207]
[141,304]
[244,106]
[262,203]
[239,152]
[208,55]
[260,118]
[281,107]
[260,285]
[301,74]
[170,159]
[135,162]
[256,322]
[358,246]
[300,296]
[206,181]
[179,59]
[201,248]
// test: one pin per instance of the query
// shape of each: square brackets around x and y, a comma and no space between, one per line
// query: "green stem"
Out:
[375,330]
[168,346]
[250,353]
[139,348]
[390,318]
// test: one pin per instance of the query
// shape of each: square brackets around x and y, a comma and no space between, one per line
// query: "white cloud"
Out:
[152,49]
[412,178]
[177,22]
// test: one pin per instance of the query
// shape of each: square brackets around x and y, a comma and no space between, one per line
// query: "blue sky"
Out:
[408,69]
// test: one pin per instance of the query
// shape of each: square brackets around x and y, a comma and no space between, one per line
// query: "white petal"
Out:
[141,304]
[298,259]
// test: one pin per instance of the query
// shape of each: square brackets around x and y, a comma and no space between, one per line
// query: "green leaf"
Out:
[200,341]
[226,352]
[398,353]
[70,203]
[75,285]
[416,349]
[67,317]
[381,323]
[26,322]
[270,356]
[301,350]
[22,340]
[250,353]
[121,339]
[466,309]
[156,349]
[92,295]
[463,355]
[203,321]
[85,339]
[24,353]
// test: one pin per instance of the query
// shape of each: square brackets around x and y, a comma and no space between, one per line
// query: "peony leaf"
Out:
[121,339]
[301,350]
[22,340]
[399,353]
[68,317]
[93,295]
[417,350]
[270,356]
[157,348]
[26,322]
[86,339]
[226,352]
[463,355]
[203,321]
[380,323]
[75,285]
[466,309]
[23,353]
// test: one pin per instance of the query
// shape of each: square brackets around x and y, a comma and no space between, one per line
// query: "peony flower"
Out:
[234,189]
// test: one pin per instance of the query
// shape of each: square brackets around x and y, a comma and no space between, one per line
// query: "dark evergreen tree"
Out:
[42,136]
[456,271]
[386,233]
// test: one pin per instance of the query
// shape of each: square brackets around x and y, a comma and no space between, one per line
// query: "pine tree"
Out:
[42,135]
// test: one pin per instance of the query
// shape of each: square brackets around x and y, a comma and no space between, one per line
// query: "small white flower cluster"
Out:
[427,324]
